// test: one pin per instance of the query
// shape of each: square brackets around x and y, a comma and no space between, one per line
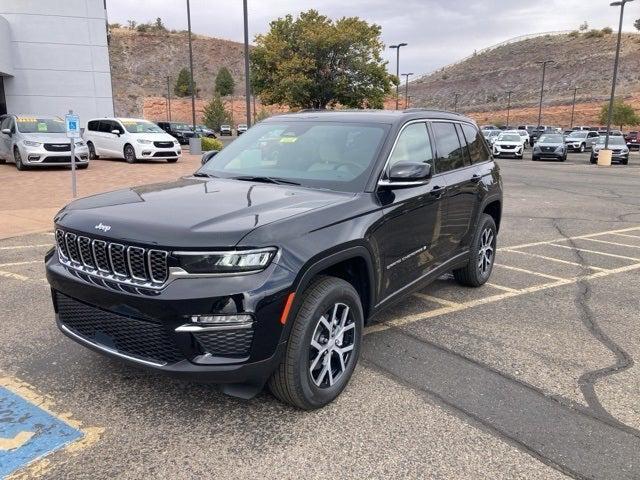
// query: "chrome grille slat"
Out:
[113,262]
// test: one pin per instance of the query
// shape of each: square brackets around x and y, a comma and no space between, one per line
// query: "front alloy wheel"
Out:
[18,159]
[129,154]
[486,251]
[331,346]
[481,254]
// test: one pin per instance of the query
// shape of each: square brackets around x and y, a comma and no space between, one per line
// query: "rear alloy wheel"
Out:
[92,151]
[130,154]
[18,159]
[323,347]
[583,147]
[482,254]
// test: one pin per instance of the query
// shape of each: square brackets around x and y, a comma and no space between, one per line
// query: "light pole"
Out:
[455,101]
[544,72]
[573,108]
[620,4]
[193,93]
[168,98]
[397,47]
[509,106]
[406,88]
[247,82]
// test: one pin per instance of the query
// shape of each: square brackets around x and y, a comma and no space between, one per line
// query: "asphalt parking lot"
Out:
[534,375]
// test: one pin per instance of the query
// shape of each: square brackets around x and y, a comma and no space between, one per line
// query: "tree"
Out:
[224,82]
[584,26]
[637,24]
[623,114]
[159,26]
[315,62]
[131,24]
[183,84]
[215,114]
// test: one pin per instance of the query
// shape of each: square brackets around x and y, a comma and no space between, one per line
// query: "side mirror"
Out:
[408,174]
[115,132]
[6,131]
[208,156]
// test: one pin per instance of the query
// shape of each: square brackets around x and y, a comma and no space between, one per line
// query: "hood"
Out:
[574,139]
[155,137]
[46,137]
[191,212]
[505,142]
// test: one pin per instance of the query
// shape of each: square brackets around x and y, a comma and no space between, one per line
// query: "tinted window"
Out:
[93,125]
[463,143]
[450,153]
[477,148]
[413,146]
[104,126]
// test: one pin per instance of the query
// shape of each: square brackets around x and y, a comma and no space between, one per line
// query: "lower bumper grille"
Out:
[226,344]
[143,339]
[165,154]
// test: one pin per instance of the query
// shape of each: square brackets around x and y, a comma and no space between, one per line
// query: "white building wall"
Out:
[60,57]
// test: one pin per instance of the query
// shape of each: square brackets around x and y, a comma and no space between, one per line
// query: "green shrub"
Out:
[594,34]
[574,34]
[607,31]
[209,144]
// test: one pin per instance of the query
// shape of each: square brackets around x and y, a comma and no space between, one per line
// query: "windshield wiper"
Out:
[205,175]
[279,181]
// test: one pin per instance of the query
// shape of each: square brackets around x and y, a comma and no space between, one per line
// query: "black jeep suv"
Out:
[265,265]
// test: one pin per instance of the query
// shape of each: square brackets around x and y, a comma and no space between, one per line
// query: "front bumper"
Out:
[38,156]
[508,152]
[545,155]
[615,157]
[141,329]
[573,147]
[153,152]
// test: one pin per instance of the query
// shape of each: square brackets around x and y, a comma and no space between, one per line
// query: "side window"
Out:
[463,144]
[413,145]
[477,146]
[104,126]
[450,152]
[92,126]
[116,126]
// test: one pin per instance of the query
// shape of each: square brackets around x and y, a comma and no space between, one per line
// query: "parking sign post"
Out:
[72,123]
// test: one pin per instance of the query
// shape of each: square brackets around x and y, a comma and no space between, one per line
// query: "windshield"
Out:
[578,135]
[333,155]
[40,125]
[550,139]
[495,133]
[141,126]
[180,126]
[523,133]
[612,140]
[509,137]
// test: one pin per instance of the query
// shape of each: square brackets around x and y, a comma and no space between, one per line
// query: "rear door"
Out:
[409,235]
[453,160]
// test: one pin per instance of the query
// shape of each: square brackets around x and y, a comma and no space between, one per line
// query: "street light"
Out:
[397,47]
[193,93]
[620,4]
[544,72]
[573,108]
[168,99]
[247,82]
[406,88]
[509,106]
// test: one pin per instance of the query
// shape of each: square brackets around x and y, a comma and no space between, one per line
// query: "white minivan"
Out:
[130,138]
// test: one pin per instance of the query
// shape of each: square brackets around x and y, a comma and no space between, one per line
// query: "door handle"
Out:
[437,191]
[475,178]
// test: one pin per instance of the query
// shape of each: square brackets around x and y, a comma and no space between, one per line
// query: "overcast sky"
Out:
[438,32]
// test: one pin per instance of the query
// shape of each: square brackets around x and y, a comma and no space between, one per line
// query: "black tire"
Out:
[592,160]
[534,158]
[82,166]
[129,154]
[583,147]
[172,160]
[18,159]
[474,274]
[292,380]
[625,162]
[92,151]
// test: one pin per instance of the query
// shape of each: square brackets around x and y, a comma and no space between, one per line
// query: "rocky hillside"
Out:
[141,62]
[581,61]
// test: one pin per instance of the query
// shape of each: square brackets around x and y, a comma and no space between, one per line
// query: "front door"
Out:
[409,234]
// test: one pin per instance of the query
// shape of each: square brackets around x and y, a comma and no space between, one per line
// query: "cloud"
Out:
[438,32]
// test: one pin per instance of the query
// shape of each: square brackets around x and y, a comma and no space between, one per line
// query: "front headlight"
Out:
[176,143]
[80,144]
[596,149]
[144,142]
[235,261]
[625,151]
[29,143]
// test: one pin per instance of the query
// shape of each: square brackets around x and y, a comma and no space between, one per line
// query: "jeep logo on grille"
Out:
[103,227]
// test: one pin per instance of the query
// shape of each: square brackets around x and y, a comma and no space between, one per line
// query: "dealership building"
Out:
[54,58]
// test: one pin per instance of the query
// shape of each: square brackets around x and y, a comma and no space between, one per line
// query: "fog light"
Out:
[221,319]
[146,152]
[33,158]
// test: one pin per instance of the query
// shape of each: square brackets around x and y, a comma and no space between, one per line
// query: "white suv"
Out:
[130,138]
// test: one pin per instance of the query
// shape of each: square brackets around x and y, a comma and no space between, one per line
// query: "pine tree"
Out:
[215,114]
[183,84]
[224,82]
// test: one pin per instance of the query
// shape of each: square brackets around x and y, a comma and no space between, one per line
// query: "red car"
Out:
[633,140]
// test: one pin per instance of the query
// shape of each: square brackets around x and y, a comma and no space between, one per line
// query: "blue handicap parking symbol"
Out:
[28,432]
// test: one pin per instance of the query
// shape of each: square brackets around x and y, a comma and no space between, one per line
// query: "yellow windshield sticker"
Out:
[42,127]
[288,139]
[27,120]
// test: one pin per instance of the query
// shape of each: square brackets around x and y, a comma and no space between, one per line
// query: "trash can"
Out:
[195,146]
[604,158]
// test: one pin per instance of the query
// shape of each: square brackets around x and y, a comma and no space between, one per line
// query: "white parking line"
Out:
[13,276]
[553,259]
[596,252]
[625,235]
[612,243]
[547,242]
[441,301]
[530,272]
[15,264]
[24,247]
[501,287]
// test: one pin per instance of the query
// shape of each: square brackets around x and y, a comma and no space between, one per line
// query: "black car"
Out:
[550,146]
[265,265]
[180,131]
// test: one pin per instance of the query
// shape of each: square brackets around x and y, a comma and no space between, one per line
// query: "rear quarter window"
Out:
[477,146]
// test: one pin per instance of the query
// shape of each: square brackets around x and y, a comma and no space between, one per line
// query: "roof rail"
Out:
[419,109]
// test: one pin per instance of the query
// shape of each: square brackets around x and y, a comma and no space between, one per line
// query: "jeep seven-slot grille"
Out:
[123,262]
